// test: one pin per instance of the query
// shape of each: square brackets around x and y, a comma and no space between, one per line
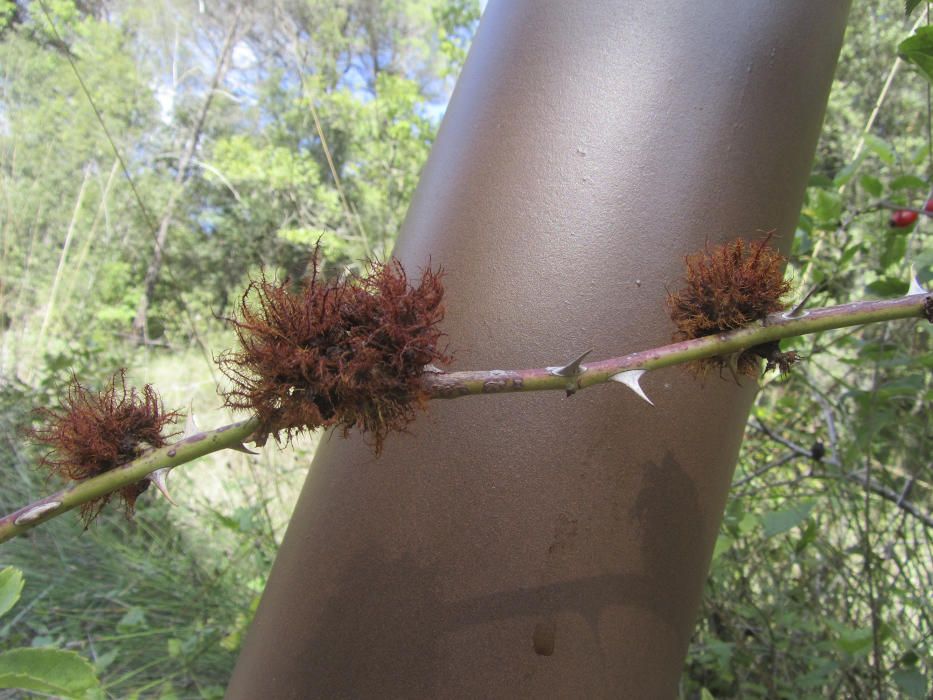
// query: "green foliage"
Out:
[817,587]
[160,605]
[7,13]
[11,585]
[54,671]
[157,603]
[918,49]
[910,6]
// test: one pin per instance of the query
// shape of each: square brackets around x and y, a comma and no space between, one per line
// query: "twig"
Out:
[870,484]
[443,385]
[185,450]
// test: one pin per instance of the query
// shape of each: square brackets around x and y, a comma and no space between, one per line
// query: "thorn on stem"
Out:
[630,378]
[915,286]
[158,478]
[572,369]
[191,425]
[240,447]
[798,311]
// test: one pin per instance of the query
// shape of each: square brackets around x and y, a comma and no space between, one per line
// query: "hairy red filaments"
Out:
[729,287]
[95,432]
[346,353]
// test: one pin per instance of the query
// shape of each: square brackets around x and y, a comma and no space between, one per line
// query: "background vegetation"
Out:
[244,136]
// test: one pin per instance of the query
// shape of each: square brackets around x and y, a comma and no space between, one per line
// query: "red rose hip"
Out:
[902,218]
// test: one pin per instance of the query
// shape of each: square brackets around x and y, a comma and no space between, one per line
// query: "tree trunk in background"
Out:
[154,270]
[535,545]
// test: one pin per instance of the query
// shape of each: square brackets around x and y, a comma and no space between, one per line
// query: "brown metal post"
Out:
[534,546]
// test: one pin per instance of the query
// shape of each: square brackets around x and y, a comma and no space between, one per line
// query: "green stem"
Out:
[441,385]
[185,450]
[775,327]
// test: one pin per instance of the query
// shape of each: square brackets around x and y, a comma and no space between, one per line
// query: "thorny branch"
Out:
[576,375]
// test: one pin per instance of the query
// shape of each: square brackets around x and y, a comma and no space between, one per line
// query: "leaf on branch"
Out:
[53,671]
[918,50]
[777,522]
[910,6]
[11,585]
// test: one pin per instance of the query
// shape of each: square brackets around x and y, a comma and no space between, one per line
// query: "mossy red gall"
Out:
[94,432]
[730,286]
[335,352]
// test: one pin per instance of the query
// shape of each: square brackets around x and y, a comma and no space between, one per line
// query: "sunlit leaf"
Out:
[779,521]
[872,185]
[918,50]
[854,641]
[11,584]
[912,682]
[909,182]
[52,671]
[881,148]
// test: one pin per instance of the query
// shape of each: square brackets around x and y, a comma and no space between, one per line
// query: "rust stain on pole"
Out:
[587,148]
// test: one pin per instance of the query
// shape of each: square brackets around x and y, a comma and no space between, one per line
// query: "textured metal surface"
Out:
[538,545]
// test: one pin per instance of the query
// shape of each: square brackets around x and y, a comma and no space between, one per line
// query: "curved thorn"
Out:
[158,478]
[572,369]
[797,311]
[915,286]
[243,448]
[191,426]
[630,379]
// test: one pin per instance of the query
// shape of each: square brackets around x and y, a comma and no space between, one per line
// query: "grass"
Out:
[159,603]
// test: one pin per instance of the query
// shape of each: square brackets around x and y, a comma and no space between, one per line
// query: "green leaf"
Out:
[808,536]
[848,254]
[880,148]
[819,180]
[11,585]
[894,249]
[845,174]
[854,641]
[748,523]
[134,617]
[52,671]
[706,695]
[827,206]
[888,287]
[872,185]
[779,521]
[912,682]
[723,544]
[918,49]
[909,182]
[910,6]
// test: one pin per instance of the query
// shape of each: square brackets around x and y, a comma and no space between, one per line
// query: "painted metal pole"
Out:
[536,545]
